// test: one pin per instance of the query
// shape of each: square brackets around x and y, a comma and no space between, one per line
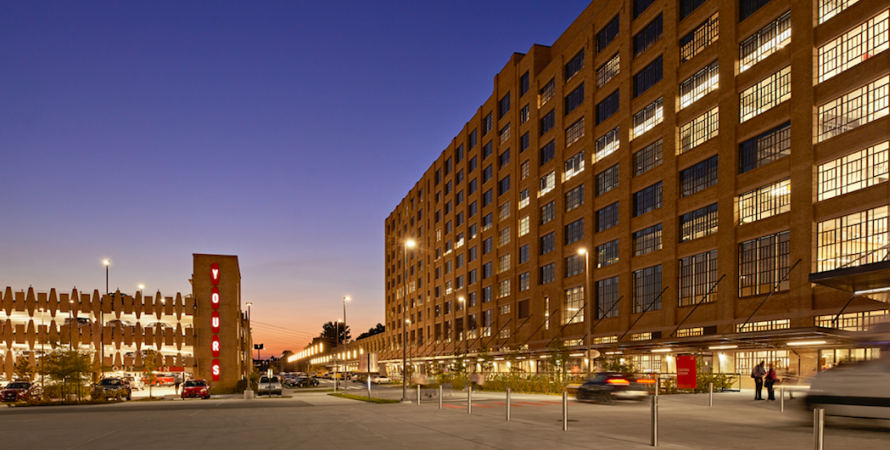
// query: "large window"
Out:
[606,144]
[607,180]
[647,118]
[574,265]
[574,231]
[607,107]
[607,34]
[699,223]
[862,42]
[648,199]
[648,158]
[647,77]
[856,108]
[575,132]
[698,177]
[640,6]
[831,8]
[607,71]
[699,130]
[700,84]
[647,240]
[766,94]
[547,153]
[766,148]
[700,38]
[548,243]
[852,172]
[547,183]
[575,198]
[574,99]
[770,39]
[574,305]
[607,217]
[523,84]
[687,6]
[853,240]
[748,7]
[765,201]
[574,166]
[548,122]
[763,262]
[574,65]
[648,36]
[547,273]
[548,212]
[546,93]
[607,254]
[504,105]
[647,289]
[606,296]
[697,275]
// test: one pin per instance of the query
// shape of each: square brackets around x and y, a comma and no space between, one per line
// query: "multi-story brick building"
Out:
[722,162]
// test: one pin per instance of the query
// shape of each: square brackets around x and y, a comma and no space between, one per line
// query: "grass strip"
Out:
[364,399]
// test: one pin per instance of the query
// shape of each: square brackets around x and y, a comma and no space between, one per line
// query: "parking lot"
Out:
[317,421]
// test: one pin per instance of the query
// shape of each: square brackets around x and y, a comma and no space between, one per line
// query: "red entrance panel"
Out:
[214,346]
[686,377]
[214,297]
[215,369]
[214,322]
[214,274]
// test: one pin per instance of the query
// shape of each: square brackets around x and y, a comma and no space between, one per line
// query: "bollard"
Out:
[470,399]
[782,400]
[711,394]
[657,385]
[418,395]
[655,421]
[440,396]
[818,427]
[508,404]
[565,411]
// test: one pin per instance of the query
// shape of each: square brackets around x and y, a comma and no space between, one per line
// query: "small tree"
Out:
[149,365]
[559,358]
[23,369]
[68,366]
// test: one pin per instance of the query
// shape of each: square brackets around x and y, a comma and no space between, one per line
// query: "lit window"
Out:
[606,299]
[575,132]
[607,144]
[647,289]
[700,84]
[647,240]
[504,134]
[853,240]
[523,226]
[770,39]
[765,201]
[504,288]
[547,184]
[647,118]
[698,273]
[862,42]
[523,198]
[574,305]
[547,92]
[700,38]
[699,223]
[831,8]
[767,147]
[699,130]
[852,172]
[854,109]
[763,262]
[607,254]
[574,165]
[607,71]
[766,94]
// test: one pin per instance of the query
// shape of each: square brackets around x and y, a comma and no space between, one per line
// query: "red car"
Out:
[20,390]
[195,388]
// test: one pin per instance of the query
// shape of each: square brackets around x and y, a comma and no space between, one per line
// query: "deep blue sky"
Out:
[283,132]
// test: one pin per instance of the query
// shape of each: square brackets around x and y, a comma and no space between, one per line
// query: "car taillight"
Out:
[618,381]
[646,381]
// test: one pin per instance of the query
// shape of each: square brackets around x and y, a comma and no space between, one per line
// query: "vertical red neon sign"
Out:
[215,368]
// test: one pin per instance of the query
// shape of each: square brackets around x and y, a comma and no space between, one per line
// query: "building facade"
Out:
[204,334]
[694,176]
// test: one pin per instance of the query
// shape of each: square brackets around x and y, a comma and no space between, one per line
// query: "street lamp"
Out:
[71,324]
[337,346]
[408,244]
[345,299]
[587,294]
[466,327]
[102,319]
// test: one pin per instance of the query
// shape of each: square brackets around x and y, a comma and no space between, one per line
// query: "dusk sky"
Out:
[281,132]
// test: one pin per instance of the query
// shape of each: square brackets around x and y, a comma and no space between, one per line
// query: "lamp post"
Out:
[345,299]
[71,324]
[588,296]
[462,301]
[42,346]
[102,319]
[408,244]
[337,337]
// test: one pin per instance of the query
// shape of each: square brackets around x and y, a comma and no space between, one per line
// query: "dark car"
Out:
[20,390]
[113,387]
[195,389]
[610,386]
[306,381]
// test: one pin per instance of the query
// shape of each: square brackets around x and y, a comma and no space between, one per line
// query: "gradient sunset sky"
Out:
[281,132]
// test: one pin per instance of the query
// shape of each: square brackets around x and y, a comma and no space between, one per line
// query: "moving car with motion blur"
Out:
[269,386]
[380,379]
[607,387]
[195,389]
[112,387]
[20,391]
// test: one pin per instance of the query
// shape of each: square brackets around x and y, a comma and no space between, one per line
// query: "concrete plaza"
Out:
[314,420]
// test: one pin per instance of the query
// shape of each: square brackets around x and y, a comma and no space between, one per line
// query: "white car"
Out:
[854,390]
[380,379]
[269,386]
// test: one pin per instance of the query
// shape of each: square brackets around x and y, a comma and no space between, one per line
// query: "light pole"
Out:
[42,345]
[462,301]
[345,299]
[71,324]
[408,244]
[337,346]
[588,296]
[102,319]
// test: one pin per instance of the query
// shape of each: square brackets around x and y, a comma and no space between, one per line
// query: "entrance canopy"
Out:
[872,280]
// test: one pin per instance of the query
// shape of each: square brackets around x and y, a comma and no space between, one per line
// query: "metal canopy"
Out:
[855,279]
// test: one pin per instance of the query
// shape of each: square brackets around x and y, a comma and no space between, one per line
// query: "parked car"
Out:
[134,382]
[306,381]
[269,386]
[196,389]
[380,379]
[607,387]
[20,391]
[860,389]
[113,387]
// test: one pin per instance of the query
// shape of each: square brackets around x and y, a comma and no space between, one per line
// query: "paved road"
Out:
[319,422]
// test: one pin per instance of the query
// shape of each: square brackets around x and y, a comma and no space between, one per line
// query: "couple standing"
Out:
[761,376]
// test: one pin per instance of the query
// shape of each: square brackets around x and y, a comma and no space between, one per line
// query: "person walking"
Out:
[757,374]
[176,382]
[769,381]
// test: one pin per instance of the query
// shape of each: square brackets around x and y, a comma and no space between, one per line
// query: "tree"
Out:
[68,366]
[329,333]
[23,369]
[380,328]
[149,365]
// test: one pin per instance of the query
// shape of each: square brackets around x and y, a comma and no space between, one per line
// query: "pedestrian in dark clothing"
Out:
[770,379]
[757,374]
[176,382]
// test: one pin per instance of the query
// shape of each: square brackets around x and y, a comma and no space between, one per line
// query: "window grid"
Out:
[504,288]
[547,92]
[607,144]
[548,122]
[831,8]
[504,106]
[856,108]
[547,153]
[763,262]
[574,99]
[648,199]
[548,212]
[698,177]
[766,148]
[853,240]
[648,36]
[607,34]
[699,130]
[575,132]
[765,201]
[607,254]
[699,223]
[548,273]
[524,282]
[766,94]
[647,240]
[504,134]
[574,306]
[575,198]
[523,115]
[859,321]
[700,38]
[687,6]
[768,40]
[853,172]
[648,77]
[697,86]
[640,6]
[574,165]
[523,198]
[574,265]
[548,243]
[697,274]
[607,107]
[574,231]
[646,289]
[606,296]
[647,118]
[648,158]
[524,83]
[607,217]
[574,65]
[748,7]
[607,180]
[504,211]
[607,71]
[547,184]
